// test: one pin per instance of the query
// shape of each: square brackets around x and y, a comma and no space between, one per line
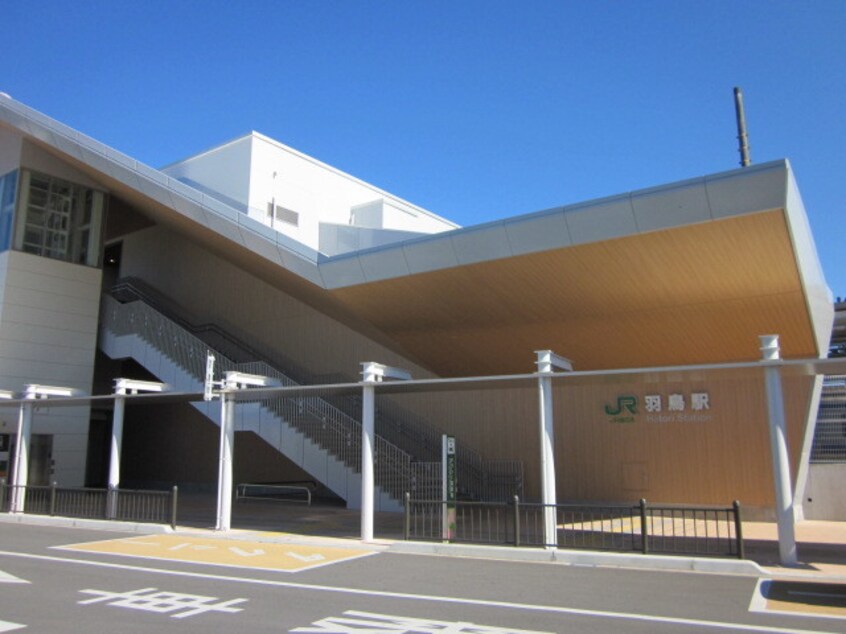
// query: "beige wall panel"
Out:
[216,291]
[722,456]
[707,457]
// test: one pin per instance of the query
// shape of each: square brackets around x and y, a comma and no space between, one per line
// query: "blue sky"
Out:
[475,110]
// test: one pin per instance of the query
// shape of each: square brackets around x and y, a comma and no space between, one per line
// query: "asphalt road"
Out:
[80,591]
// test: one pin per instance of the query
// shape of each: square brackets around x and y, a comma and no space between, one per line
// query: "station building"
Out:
[281,263]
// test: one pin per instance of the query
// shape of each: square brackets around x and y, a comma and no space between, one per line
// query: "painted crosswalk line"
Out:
[223,552]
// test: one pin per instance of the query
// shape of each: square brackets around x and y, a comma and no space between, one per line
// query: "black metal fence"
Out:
[155,507]
[659,529]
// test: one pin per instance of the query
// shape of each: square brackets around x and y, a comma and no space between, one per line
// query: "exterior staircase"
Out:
[321,434]
[317,437]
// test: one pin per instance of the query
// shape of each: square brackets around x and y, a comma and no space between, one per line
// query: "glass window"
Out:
[59,220]
[8,189]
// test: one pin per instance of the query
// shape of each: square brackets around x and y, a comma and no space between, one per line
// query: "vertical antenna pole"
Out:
[742,137]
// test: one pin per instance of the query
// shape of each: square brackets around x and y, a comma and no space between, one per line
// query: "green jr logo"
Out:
[628,403]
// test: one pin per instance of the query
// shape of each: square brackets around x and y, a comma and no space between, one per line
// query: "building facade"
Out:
[275,259]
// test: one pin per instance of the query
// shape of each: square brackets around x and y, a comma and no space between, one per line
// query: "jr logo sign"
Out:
[624,403]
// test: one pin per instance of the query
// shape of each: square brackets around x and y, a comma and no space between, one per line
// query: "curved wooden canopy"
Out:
[695,294]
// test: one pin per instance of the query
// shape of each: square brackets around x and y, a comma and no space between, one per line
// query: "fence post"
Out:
[738,530]
[516,520]
[406,531]
[644,532]
[173,508]
[53,499]
[2,494]
[111,502]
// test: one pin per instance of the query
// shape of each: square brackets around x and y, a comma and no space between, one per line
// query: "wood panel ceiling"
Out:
[695,294]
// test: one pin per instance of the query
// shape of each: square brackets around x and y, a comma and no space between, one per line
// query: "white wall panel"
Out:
[383,264]
[10,150]
[48,334]
[485,243]
[322,193]
[430,255]
[757,188]
[224,170]
[662,208]
[538,232]
[601,219]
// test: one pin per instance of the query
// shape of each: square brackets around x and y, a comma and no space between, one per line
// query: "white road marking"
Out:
[154,600]
[553,609]
[314,557]
[354,622]
[185,545]
[246,553]
[5,577]
[7,626]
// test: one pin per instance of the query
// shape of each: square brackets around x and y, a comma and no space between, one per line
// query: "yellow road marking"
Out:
[223,552]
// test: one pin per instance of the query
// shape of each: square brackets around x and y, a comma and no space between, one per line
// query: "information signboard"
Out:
[449,479]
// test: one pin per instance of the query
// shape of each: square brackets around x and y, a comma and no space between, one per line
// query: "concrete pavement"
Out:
[821,545]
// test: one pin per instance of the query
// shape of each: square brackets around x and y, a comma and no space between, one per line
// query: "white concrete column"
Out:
[368,432]
[547,461]
[547,362]
[233,382]
[114,454]
[117,438]
[224,480]
[371,373]
[122,387]
[20,468]
[770,351]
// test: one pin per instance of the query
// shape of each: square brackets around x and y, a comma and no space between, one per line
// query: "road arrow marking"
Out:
[314,557]
[244,553]
[6,626]
[5,577]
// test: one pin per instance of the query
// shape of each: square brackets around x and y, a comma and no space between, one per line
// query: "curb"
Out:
[586,558]
[72,522]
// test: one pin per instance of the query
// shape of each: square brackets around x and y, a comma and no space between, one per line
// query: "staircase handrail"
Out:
[396,427]
[189,352]
[420,439]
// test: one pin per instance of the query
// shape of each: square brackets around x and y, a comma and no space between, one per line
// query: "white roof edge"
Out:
[505,224]
[477,243]
[209,150]
[42,128]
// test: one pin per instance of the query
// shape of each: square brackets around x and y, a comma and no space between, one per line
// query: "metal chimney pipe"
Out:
[742,137]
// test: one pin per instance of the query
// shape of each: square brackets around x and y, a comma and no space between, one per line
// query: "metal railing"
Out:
[660,529]
[155,507]
[324,424]
[276,492]
[830,434]
[477,478]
